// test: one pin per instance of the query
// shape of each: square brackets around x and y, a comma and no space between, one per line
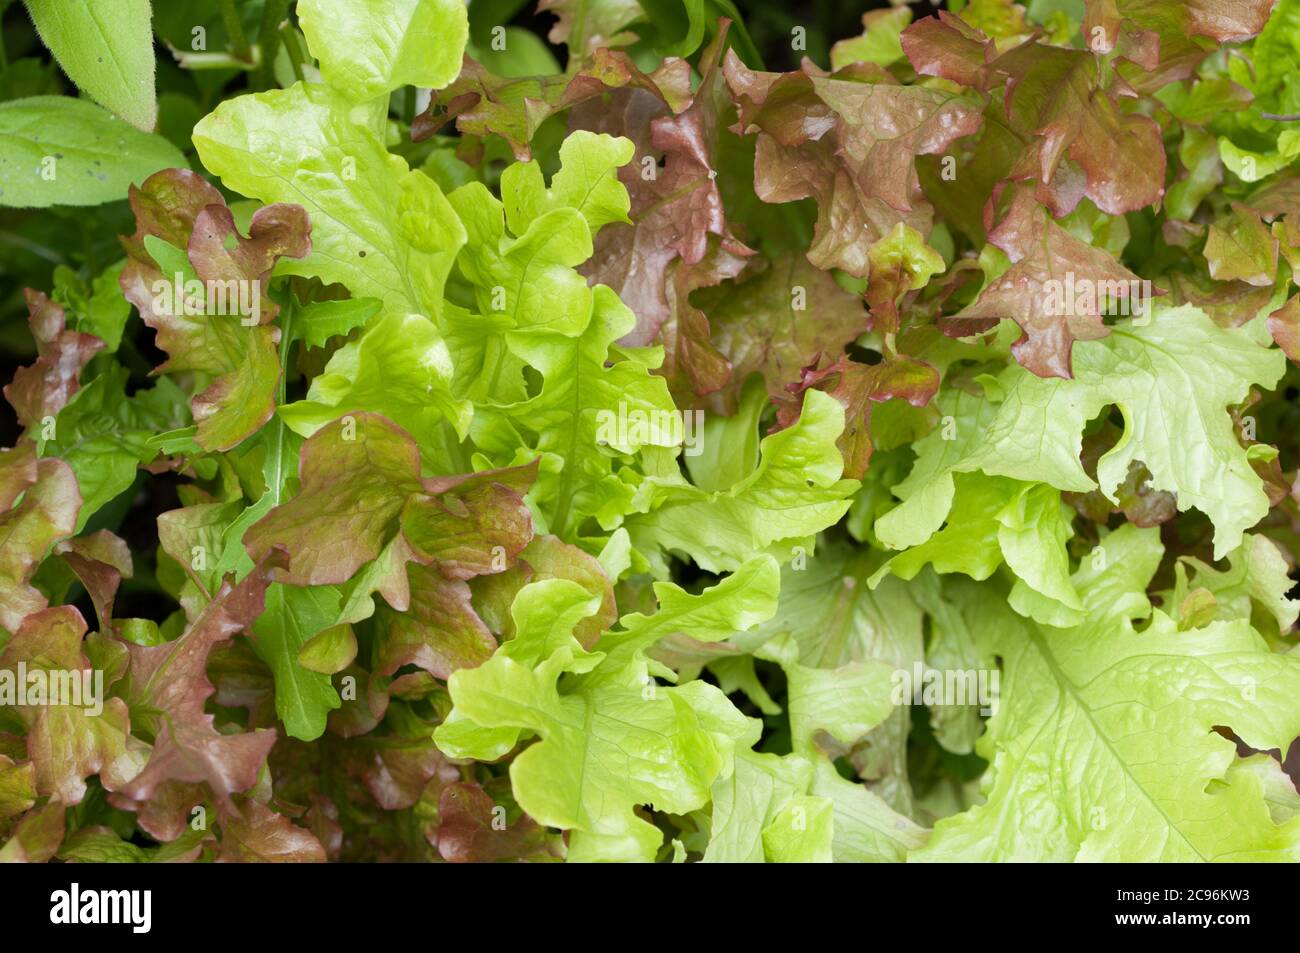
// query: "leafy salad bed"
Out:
[672,433]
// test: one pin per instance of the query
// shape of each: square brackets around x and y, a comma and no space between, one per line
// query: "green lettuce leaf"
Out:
[411,43]
[793,493]
[1153,373]
[1131,711]
[611,737]
[378,227]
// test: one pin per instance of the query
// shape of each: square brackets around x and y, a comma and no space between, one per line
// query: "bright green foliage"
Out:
[56,150]
[106,48]
[1138,710]
[408,42]
[378,227]
[639,453]
[794,491]
[105,435]
[611,737]
[1179,428]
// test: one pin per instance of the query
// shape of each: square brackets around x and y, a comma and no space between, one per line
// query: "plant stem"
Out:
[295,53]
[203,61]
[35,248]
[286,344]
[230,17]
[268,39]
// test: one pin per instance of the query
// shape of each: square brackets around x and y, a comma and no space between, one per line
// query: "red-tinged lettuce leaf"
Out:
[900,262]
[1174,35]
[949,47]
[243,680]
[1055,289]
[17,472]
[1221,20]
[322,819]
[166,687]
[45,514]
[397,771]
[944,295]
[36,837]
[17,788]
[586,25]
[1284,325]
[468,525]
[41,390]
[1241,248]
[366,798]
[219,253]
[170,813]
[356,474]
[778,320]
[230,341]
[475,829]
[547,557]
[850,140]
[360,484]
[693,365]
[858,387]
[361,496]
[101,561]
[1229,304]
[513,108]
[457,527]
[253,833]
[79,733]
[1074,137]
[675,202]
[365,701]
[1054,95]
[1106,31]
[439,631]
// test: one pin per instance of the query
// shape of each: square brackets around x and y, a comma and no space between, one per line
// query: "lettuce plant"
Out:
[655,456]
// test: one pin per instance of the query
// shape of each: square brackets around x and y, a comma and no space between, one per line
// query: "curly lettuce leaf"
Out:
[409,43]
[611,737]
[1133,713]
[794,492]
